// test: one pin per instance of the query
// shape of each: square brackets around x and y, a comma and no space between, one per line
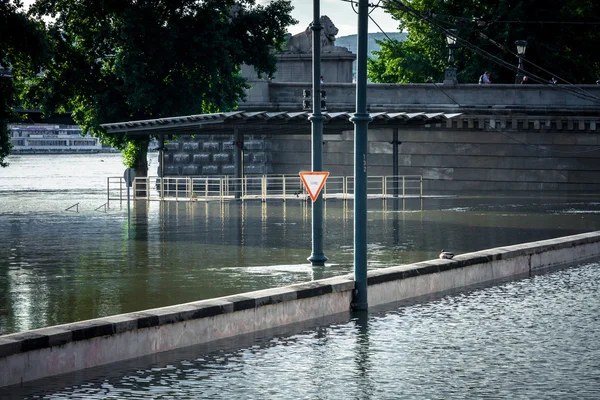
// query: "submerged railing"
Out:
[261,187]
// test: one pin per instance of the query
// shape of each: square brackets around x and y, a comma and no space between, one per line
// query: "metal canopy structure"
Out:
[260,122]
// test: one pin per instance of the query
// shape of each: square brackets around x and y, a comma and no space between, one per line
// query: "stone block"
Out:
[190,170]
[172,170]
[260,157]
[380,148]
[172,146]
[211,146]
[191,147]
[210,169]
[181,158]
[201,158]
[255,169]
[254,145]
[228,145]
[438,173]
[221,158]
[228,169]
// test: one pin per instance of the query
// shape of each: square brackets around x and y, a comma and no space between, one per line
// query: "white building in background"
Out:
[42,138]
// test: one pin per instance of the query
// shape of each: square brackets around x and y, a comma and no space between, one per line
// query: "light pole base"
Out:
[317,260]
[450,76]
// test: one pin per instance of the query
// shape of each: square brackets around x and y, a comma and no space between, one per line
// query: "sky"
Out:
[342,15]
[339,11]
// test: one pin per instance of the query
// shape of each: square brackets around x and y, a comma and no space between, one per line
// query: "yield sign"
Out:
[313,182]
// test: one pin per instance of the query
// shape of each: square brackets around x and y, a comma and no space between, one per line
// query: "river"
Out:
[528,339]
[60,266]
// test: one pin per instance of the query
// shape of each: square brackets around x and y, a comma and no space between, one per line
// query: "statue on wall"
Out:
[302,42]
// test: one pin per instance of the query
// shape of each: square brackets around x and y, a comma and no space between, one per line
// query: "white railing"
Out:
[258,187]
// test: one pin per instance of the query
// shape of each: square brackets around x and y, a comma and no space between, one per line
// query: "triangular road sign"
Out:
[314,182]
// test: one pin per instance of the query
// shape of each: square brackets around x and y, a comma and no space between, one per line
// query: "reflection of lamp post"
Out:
[450,76]
[521,47]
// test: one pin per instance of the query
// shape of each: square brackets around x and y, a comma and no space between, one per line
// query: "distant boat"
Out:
[53,139]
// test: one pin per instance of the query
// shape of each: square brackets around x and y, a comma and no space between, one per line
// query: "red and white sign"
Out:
[314,182]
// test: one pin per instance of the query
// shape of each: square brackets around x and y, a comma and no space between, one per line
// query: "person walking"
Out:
[525,80]
[485,78]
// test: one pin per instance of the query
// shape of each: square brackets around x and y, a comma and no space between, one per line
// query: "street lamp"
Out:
[521,48]
[450,75]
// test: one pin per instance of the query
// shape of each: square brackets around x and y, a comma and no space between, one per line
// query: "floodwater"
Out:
[60,266]
[536,338]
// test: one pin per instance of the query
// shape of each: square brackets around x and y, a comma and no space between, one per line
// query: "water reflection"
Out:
[529,339]
[364,367]
[59,267]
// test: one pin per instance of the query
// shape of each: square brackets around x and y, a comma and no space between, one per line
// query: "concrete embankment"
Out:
[66,348]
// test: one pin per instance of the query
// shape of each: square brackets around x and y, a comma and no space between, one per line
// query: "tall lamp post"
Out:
[450,76]
[521,48]
[317,257]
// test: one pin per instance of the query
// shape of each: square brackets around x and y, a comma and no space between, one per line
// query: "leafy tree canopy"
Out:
[562,35]
[23,50]
[120,60]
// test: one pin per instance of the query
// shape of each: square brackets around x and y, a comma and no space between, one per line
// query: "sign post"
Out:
[314,182]
[129,176]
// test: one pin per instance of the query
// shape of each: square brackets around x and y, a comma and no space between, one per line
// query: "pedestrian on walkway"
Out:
[485,78]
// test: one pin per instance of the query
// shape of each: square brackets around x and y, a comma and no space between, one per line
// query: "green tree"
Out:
[122,60]
[562,35]
[23,50]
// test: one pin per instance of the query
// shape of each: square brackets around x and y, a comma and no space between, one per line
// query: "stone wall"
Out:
[508,137]
[214,156]
[498,99]
[467,154]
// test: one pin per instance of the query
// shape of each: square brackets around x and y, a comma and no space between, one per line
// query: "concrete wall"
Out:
[60,349]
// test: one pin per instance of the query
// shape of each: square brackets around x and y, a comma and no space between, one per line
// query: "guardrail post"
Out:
[244,186]
[283,183]
[421,178]
[403,186]
[222,182]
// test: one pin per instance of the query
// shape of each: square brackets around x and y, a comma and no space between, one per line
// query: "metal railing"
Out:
[258,187]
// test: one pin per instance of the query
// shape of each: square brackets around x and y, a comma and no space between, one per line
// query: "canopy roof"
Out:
[260,122]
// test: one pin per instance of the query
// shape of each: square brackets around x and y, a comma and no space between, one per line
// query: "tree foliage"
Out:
[122,60]
[23,50]
[562,36]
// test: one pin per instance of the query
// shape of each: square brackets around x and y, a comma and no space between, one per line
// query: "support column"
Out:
[361,121]
[238,162]
[161,169]
[395,167]
[317,258]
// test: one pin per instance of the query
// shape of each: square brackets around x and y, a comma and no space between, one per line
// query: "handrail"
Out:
[76,205]
[260,187]
[105,205]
